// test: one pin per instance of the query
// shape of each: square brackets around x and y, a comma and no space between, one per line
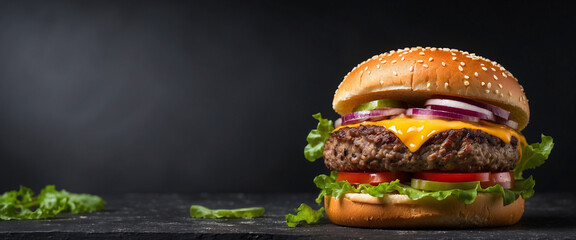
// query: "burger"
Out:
[428,137]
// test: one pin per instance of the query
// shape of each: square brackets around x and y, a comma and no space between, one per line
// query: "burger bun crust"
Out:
[415,74]
[399,211]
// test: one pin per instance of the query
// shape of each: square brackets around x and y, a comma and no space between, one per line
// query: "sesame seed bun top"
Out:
[415,74]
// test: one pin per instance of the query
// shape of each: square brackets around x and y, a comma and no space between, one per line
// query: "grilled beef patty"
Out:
[375,148]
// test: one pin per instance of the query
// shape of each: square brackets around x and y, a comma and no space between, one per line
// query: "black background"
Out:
[217,96]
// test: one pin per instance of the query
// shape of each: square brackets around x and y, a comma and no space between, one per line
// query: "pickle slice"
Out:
[382,103]
[440,186]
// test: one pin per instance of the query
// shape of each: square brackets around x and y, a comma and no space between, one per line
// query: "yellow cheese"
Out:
[415,132]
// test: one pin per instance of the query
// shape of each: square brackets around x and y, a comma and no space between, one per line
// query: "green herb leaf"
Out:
[317,137]
[22,204]
[304,213]
[534,155]
[197,211]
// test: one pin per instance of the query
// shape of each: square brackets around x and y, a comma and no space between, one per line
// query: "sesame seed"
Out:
[489,85]
[393,61]
[504,75]
[495,77]
[510,93]
[431,59]
[493,69]
[500,85]
[460,68]
[487,91]
[433,49]
[425,65]
[384,61]
[476,74]
[402,59]
[484,68]
[443,64]
[446,85]
[381,82]
[501,94]
[466,77]
[395,73]
[411,68]
[454,58]
[496,91]
[369,72]
[421,53]
[483,83]
[428,85]
[466,83]
[366,68]
[375,56]
[377,65]
[463,64]
[419,61]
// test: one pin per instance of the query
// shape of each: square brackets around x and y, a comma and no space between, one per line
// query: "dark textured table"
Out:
[150,216]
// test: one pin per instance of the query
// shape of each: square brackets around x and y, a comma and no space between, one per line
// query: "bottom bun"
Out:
[399,211]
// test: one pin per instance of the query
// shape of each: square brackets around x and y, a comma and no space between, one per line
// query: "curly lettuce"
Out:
[534,155]
[317,137]
[24,204]
[304,213]
[330,187]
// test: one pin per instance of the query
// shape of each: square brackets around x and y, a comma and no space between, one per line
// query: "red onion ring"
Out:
[497,111]
[509,123]
[338,122]
[430,114]
[375,114]
[463,108]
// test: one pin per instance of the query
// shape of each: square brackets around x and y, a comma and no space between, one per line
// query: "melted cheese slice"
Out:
[415,132]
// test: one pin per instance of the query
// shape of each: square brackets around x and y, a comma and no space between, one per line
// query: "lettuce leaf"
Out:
[23,204]
[330,187]
[197,211]
[304,213]
[524,188]
[534,155]
[317,137]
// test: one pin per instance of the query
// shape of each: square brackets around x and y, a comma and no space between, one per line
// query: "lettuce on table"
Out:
[24,204]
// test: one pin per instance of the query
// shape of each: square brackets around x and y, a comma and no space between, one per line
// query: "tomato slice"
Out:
[504,179]
[486,179]
[373,178]
[453,177]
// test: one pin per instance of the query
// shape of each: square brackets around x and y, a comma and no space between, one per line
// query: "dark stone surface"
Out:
[151,216]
